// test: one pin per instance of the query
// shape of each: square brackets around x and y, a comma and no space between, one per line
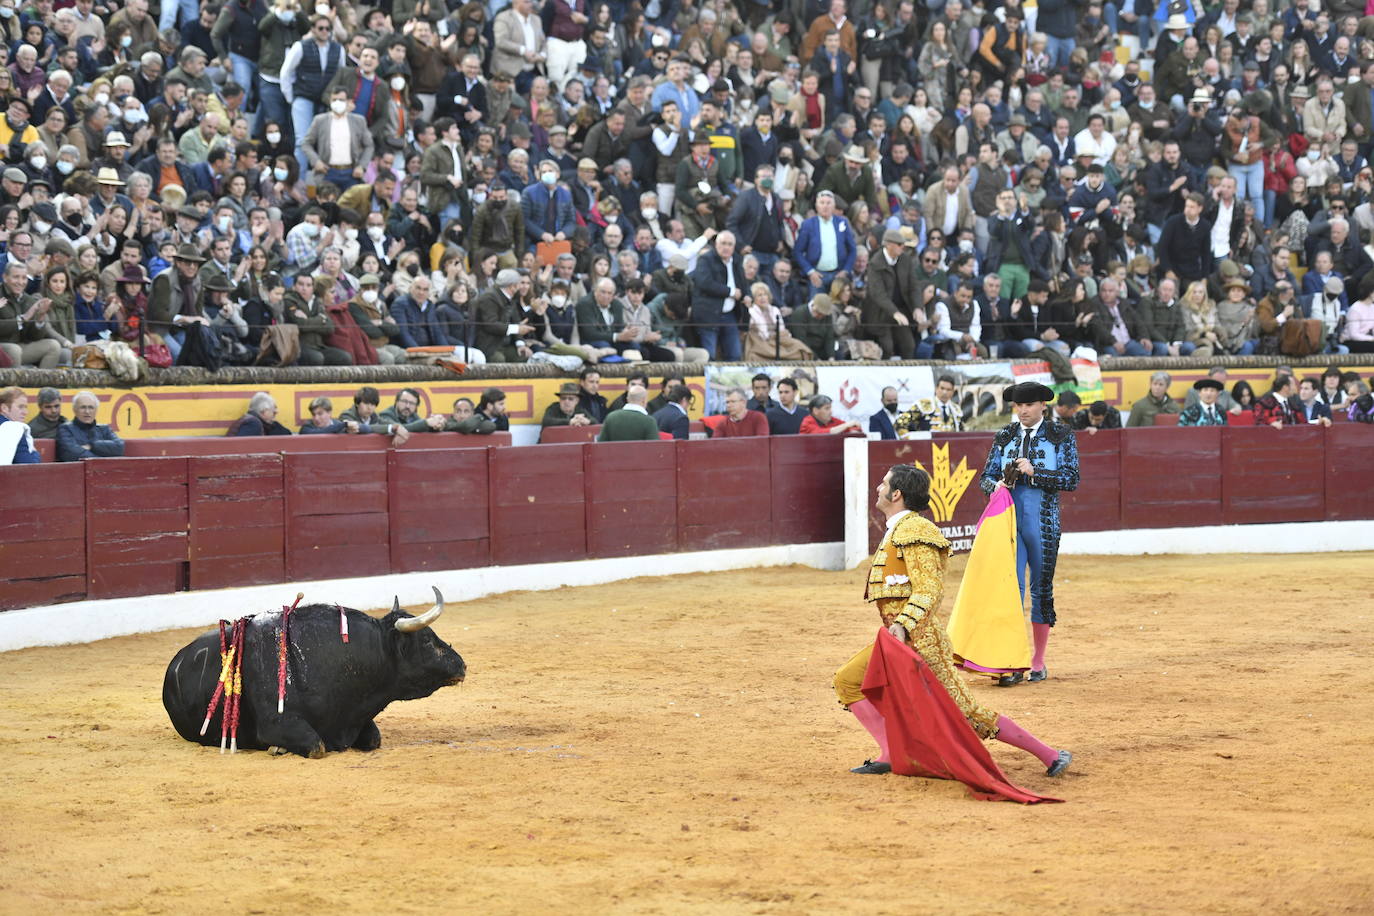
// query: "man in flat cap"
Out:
[1035,456]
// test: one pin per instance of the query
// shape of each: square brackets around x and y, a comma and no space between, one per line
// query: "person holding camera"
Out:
[1197,133]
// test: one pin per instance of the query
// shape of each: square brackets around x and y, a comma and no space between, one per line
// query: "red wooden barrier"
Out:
[723,494]
[1166,419]
[136,526]
[554,435]
[1096,504]
[807,478]
[631,507]
[176,446]
[439,509]
[42,534]
[537,513]
[47,449]
[237,514]
[1349,494]
[1169,478]
[1272,475]
[337,523]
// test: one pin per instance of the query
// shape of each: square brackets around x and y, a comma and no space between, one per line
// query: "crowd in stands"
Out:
[579,181]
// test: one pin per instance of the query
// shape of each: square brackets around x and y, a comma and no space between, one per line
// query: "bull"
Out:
[334,689]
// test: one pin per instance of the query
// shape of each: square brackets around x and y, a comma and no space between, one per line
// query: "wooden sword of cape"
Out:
[986,628]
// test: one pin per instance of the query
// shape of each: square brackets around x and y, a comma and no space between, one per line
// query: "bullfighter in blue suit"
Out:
[1037,457]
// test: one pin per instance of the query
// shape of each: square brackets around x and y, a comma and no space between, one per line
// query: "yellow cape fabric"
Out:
[986,627]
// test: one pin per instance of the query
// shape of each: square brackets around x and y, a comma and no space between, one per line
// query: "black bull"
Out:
[334,689]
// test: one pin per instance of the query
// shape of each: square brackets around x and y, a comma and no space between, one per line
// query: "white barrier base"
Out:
[1281,537]
[87,621]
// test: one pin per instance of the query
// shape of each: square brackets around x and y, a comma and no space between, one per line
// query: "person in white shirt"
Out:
[678,243]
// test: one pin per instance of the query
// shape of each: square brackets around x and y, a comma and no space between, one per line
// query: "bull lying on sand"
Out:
[334,689]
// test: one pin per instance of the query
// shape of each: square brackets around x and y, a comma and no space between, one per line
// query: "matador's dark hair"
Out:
[914,485]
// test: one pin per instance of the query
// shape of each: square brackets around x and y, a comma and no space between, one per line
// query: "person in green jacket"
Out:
[632,422]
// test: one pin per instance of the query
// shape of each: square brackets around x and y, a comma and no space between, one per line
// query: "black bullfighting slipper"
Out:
[1011,680]
[1061,764]
[1036,677]
[873,768]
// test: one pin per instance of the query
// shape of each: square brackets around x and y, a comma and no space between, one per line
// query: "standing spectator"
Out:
[718,298]
[83,438]
[338,144]
[825,244]
[1185,245]
[756,220]
[307,69]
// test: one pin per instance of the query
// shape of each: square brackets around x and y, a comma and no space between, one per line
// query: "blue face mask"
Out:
[549,179]
[280,174]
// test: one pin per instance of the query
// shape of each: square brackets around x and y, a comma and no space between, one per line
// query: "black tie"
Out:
[1025,444]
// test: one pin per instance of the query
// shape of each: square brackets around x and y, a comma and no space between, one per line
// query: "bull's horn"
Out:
[411,624]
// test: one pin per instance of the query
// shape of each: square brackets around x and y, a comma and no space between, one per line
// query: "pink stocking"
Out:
[1011,733]
[1040,632]
[872,720]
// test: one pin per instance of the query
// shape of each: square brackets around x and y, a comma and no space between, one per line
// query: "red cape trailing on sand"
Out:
[926,733]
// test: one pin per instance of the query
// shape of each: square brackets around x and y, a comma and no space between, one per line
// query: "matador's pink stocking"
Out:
[872,720]
[1009,732]
[1040,633]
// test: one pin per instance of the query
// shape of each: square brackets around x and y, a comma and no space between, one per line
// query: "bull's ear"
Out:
[396,604]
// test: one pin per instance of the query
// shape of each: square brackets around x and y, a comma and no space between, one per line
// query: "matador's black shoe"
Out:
[1036,677]
[1061,764]
[873,768]
[1011,680]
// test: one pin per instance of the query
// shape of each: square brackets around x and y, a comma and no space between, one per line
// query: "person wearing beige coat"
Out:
[1323,117]
[938,194]
[508,52]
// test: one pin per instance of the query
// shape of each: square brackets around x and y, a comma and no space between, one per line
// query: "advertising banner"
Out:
[858,390]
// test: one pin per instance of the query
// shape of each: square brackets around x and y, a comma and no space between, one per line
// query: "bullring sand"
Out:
[668,745]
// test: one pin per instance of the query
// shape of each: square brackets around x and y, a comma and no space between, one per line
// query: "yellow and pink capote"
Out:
[987,629]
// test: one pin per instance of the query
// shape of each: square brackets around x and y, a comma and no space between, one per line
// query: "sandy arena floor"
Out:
[645,747]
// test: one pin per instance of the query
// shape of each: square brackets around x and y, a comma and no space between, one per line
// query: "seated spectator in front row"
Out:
[49,419]
[1143,411]
[787,416]
[632,422]
[1361,405]
[261,419]
[1100,415]
[567,410]
[466,420]
[364,412]
[322,420]
[1310,407]
[1275,409]
[738,419]
[404,413]
[16,442]
[84,438]
[673,418]
[1206,411]
[1067,406]
[492,406]
[823,420]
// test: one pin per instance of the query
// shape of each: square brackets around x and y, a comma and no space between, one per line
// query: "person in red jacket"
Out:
[823,420]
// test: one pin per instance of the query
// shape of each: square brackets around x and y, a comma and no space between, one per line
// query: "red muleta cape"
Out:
[927,735]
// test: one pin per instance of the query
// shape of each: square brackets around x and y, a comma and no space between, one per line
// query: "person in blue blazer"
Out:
[825,244]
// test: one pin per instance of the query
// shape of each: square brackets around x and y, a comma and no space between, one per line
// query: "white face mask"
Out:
[274,137]
[41,227]
[322,9]
[338,106]
[102,98]
[351,234]
[7,12]
[398,83]
[558,301]
[649,213]
[311,229]
[369,296]
[65,167]
[225,223]
[280,174]
[376,233]
[39,162]
[135,116]
[286,15]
